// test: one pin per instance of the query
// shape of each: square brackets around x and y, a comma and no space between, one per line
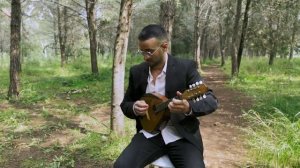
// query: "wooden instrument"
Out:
[158,111]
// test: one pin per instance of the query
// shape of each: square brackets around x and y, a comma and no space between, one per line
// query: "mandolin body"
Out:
[155,116]
[158,111]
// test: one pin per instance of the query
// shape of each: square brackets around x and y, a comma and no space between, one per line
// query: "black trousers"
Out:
[142,151]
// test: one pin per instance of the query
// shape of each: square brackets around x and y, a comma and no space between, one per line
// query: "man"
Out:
[161,73]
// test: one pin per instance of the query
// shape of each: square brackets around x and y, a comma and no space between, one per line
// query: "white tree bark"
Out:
[120,50]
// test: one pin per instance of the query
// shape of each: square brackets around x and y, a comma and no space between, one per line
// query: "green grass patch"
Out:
[103,146]
[12,117]
[274,139]
[275,125]
[271,86]
[56,95]
[33,163]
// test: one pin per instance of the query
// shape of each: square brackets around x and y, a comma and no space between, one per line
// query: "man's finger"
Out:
[177,101]
[178,93]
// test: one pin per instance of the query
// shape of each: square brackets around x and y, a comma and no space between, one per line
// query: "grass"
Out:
[53,101]
[275,124]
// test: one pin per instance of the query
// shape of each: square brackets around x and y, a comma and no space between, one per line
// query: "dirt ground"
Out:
[223,141]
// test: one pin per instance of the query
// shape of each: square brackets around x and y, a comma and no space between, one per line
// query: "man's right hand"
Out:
[140,108]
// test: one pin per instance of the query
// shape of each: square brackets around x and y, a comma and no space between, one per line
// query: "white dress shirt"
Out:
[169,132]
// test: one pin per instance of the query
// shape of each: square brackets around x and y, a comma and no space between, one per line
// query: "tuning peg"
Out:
[190,86]
[194,85]
[197,83]
[197,99]
[200,82]
[204,96]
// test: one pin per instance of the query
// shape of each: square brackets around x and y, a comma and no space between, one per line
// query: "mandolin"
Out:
[158,111]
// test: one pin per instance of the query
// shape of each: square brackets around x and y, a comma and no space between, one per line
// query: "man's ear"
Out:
[165,45]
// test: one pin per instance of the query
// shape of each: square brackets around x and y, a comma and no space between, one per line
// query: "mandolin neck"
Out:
[164,105]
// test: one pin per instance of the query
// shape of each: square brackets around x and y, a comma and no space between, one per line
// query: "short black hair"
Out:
[153,30]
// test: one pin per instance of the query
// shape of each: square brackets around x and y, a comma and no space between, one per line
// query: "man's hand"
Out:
[179,106]
[140,107]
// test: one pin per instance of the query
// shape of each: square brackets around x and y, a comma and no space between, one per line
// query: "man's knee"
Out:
[125,162]
[118,164]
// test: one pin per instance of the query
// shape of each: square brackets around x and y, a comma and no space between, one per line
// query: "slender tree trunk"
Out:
[65,34]
[55,36]
[62,35]
[15,39]
[90,10]
[120,50]
[243,35]
[234,68]
[166,16]
[204,35]
[292,45]
[197,37]
[272,56]
[222,47]
[272,42]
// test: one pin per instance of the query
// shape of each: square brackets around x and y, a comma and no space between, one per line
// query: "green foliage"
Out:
[275,139]
[63,161]
[275,124]
[271,86]
[13,117]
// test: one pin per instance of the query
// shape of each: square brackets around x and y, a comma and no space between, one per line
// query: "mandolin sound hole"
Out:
[154,109]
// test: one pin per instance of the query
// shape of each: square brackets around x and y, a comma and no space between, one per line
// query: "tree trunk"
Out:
[197,37]
[90,10]
[15,39]
[292,45]
[204,35]
[65,33]
[55,36]
[234,68]
[166,17]
[222,46]
[120,50]
[272,56]
[243,35]
[61,35]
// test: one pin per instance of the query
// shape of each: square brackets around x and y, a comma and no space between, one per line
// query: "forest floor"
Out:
[223,138]
[51,135]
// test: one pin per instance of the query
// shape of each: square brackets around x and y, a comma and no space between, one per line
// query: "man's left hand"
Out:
[179,106]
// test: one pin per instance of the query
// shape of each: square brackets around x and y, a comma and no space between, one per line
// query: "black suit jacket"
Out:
[180,74]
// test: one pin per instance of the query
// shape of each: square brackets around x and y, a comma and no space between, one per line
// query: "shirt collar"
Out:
[166,63]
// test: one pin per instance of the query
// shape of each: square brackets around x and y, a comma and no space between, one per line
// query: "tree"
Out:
[197,37]
[15,39]
[62,32]
[205,34]
[166,17]
[90,10]
[244,30]
[120,50]
[234,68]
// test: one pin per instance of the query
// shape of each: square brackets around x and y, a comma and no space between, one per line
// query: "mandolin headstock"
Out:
[196,90]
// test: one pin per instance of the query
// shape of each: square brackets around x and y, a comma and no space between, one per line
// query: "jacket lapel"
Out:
[144,78]
[170,74]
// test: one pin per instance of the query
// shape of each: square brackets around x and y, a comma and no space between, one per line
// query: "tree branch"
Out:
[6,14]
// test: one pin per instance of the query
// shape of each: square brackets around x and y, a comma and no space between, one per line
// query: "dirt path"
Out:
[221,133]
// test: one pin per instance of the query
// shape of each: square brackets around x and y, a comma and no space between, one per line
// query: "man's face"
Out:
[153,51]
